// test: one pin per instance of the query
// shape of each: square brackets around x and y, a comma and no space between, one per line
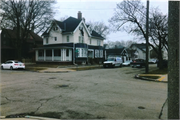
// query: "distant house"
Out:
[139,51]
[118,52]
[8,51]
[70,42]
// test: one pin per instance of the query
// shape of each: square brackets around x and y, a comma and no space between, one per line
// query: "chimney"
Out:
[79,15]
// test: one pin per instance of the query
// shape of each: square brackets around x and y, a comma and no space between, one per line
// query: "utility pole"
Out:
[147,36]
[173,59]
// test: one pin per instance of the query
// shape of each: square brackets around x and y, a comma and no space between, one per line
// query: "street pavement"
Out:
[59,69]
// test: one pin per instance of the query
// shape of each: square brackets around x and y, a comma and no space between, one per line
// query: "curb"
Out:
[148,79]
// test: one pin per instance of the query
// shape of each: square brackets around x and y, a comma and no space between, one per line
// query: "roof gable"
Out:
[141,46]
[71,24]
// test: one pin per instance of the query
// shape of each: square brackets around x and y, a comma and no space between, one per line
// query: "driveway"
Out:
[99,93]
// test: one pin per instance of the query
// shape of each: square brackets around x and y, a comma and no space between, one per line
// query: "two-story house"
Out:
[70,42]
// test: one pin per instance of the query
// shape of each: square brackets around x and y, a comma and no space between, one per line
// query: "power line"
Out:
[88,8]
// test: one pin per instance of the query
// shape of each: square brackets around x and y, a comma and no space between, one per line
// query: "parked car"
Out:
[127,63]
[153,61]
[12,64]
[113,62]
[138,63]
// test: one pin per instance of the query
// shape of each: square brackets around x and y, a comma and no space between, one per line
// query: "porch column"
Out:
[52,54]
[36,55]
[44,55]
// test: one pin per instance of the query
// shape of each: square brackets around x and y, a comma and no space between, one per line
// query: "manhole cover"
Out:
[141,107]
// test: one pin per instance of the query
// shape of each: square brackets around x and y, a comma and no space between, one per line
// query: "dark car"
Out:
[138,63]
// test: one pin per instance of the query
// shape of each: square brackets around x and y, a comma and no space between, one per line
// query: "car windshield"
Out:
[110,59]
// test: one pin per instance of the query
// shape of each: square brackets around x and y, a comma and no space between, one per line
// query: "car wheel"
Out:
[2,68]
[11,68]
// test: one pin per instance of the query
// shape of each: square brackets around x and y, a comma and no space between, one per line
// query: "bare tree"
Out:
[130,16]
[99,27]
[120,44]
[25,15]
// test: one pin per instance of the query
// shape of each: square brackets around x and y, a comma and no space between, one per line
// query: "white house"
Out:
[70,41]
[139,51]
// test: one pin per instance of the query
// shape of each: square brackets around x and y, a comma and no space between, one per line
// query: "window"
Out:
[55,28]
[98,42]
[55,38]
[46,40]
[67,52]
[96,53]
[41,53]
[81,52]
[67,38]
[81,39]
[90,41]
[49,53]
[101,53]
[57,52]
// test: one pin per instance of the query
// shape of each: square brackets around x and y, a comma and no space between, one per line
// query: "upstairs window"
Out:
[81,39]
[55,38]
[98,42]
[67,38]
[47,41]
[90,41]
[55,28]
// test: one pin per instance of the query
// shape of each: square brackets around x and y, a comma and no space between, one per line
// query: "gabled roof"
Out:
[141,46]
[95,34]
[117,51]
[70,25]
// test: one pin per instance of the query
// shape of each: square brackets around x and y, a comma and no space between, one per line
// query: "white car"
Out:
[12,64]
[127,63]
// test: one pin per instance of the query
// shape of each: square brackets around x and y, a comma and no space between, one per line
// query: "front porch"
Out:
[54,55]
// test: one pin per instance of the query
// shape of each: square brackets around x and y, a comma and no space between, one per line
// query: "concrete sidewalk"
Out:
[160,78]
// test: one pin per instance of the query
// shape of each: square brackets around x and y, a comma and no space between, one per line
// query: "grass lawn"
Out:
[158,71]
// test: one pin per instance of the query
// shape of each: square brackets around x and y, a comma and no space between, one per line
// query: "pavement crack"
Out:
[162,109]
[46,100]
[13,100]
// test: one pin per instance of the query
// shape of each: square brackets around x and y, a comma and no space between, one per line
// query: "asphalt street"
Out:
[111,93]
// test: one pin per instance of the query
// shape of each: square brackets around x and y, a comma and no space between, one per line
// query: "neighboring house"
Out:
[8,51]
[70,42]
[139,51]
[117,52]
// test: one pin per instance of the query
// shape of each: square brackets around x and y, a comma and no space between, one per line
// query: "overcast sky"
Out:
[100,10]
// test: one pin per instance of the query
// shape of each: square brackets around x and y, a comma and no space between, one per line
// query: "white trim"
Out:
[77,28]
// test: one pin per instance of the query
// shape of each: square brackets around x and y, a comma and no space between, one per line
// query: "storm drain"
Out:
[141,107]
